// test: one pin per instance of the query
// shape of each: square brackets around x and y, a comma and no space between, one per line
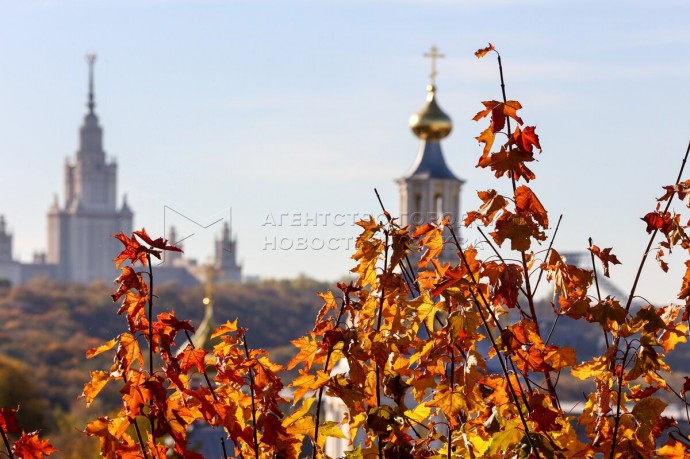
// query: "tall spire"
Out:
[91,59]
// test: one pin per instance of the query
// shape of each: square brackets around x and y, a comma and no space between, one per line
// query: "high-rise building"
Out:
[80,243]
[79,231]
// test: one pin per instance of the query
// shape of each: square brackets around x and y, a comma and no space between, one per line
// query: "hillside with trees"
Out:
[48,327]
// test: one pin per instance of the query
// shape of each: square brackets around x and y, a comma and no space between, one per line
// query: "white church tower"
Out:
[429,191]
[79,233]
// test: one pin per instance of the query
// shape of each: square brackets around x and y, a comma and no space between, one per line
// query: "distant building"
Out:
[430,191]
[79,231]
[225,261]
[80,243]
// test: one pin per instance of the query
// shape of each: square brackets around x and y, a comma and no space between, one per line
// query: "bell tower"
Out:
[430,191]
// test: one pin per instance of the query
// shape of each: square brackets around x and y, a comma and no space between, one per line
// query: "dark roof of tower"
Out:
[430,163]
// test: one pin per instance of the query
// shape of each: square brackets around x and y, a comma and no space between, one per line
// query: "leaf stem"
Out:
[618,403]
[485,322]
[251,391]
[452,383]
[325,368]
[150,333]
[651,238]
[596,283]
[553,237]
[136,426]
[7,443]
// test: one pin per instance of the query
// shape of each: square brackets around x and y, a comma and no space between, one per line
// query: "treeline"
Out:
[46,328]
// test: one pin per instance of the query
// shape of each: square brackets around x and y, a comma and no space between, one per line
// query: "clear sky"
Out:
[301,108]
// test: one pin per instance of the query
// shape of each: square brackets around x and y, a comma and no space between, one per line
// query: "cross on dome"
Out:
[433,54]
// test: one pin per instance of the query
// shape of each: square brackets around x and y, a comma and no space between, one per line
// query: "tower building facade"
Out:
[225,259]
[79,230]
[430,191]
[80,243]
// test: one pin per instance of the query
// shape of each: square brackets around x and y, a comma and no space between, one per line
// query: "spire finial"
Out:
[91,60]
[433,54]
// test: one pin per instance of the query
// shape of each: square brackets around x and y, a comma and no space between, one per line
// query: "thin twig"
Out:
[7,443]
[225,451]
[617,419]
[251,392]
[136,425]
[452,383]
[541,271]
[378,327]
[327,371]
[651,238]
[500,257]
[596,282]
[616,341]
[493,341]
[150,333]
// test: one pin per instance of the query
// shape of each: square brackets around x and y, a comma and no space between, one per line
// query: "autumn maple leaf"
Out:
[30,446]
[133,251]
[159,243]
[526,139]
[605,256]
[8,420]
[511,162]
[484,51]
[499,111]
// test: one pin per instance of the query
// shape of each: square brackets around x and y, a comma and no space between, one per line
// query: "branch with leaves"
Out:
[437,359]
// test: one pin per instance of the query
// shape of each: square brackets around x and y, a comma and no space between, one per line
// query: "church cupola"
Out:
[431,123]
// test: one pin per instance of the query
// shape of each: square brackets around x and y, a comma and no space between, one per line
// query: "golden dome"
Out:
[431,123]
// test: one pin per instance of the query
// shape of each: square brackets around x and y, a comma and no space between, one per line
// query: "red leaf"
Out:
[133,251]
[605,256]
[526,202]
[8,420]
[527,139]
[686,386]
[192,357]
[484,51]
[657,221]
[29,446]
[160,243]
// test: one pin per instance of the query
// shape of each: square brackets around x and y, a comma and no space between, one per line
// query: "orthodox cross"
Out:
[433,54]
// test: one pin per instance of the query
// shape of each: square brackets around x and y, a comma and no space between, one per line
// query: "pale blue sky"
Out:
[301,107]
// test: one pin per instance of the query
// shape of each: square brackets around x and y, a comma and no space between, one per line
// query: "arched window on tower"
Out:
[416,217]
[438,207]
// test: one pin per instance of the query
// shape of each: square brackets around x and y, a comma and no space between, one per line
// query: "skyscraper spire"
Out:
[91,59]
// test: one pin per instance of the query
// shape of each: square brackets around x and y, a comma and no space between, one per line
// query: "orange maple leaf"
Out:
[526,202]
[30,446]
[492,203]
[499,111]
[525,139]
[511,162]
[133,251]
[605,256]
[160,243]
[484,51]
